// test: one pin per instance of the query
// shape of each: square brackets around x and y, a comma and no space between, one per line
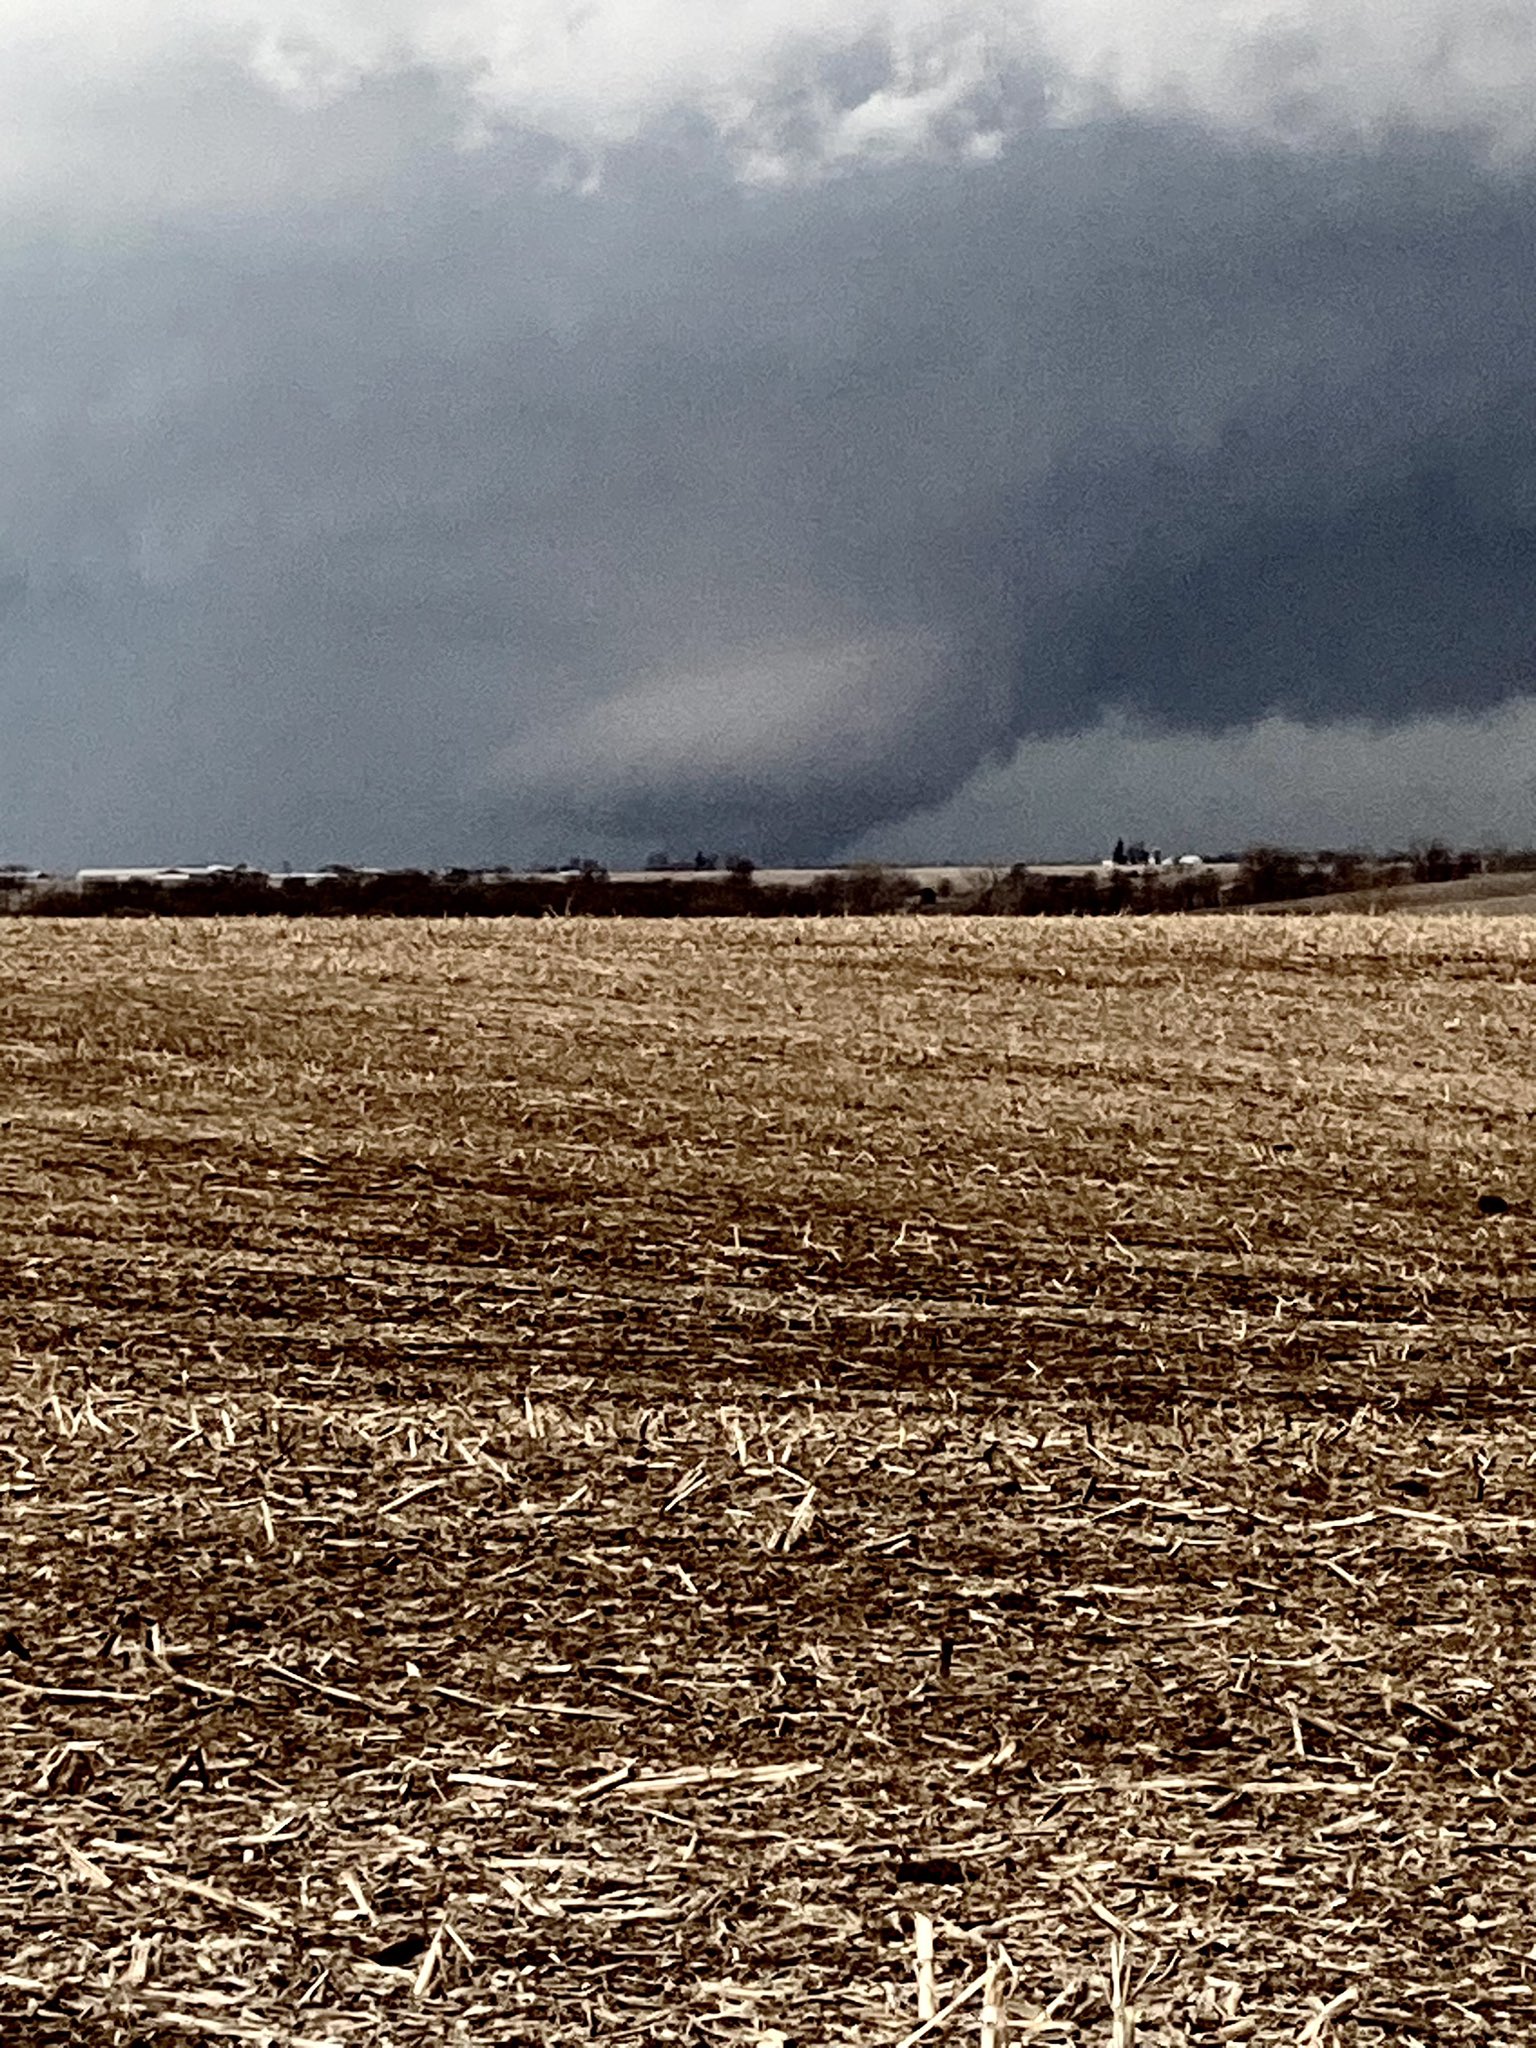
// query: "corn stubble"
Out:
[842,1483]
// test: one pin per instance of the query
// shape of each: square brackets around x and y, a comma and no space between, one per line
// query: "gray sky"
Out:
[436,430]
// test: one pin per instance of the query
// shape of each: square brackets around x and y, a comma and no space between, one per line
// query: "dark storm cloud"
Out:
[414,503]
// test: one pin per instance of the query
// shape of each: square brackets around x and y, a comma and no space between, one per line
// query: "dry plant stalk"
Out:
[1319,2027]
[994,2005]
[927,1990]
[1122,2030]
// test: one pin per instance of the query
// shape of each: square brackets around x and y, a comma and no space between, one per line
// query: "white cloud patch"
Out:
[790,85]
[1304,70]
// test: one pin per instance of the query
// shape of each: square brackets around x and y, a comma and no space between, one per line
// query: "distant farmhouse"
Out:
[1138,856]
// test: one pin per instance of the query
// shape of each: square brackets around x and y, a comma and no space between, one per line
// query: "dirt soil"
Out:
[574,1482]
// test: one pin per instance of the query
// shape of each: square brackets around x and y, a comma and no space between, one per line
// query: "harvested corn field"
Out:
[583,1482]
